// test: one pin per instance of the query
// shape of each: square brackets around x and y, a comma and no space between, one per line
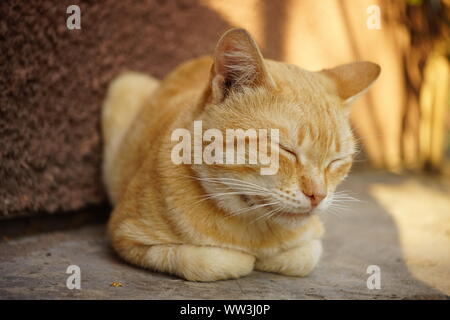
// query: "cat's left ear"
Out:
[352,80]
[238,63]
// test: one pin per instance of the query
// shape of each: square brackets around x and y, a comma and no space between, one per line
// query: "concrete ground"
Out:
[401,225]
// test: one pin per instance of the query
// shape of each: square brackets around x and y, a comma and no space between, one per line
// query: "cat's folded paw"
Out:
[297,262]
[198,263]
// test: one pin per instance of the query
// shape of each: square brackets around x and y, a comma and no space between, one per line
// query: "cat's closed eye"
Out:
[288,151]
[336,163]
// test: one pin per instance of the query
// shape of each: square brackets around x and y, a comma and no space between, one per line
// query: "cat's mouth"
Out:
[248,200]
[253,202]
[285,213]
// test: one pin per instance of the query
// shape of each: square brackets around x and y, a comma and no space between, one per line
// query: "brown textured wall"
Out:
[52,82]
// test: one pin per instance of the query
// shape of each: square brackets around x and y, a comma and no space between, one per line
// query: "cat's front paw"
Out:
[198,263]
[297,262]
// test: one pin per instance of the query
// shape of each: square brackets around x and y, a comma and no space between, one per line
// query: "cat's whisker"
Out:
[347,200]
[342,193]
[344,196]
[337,208]
[237,185]
[339,202]
[246,182]
[340,208]
[221,194]
[245,186]
[275,212]
[334,212]
[267,215]
[244,189]
[235,181]
[206,197]
[243,210]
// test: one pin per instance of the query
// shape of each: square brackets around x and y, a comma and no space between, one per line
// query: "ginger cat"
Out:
[244,220]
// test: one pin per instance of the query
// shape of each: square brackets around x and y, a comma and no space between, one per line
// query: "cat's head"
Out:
[311,112]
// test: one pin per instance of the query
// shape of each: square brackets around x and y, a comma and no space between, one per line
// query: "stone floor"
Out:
[401,225]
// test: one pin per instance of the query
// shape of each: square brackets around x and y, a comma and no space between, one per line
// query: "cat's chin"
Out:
[294,215]
[283,214]
[291,220]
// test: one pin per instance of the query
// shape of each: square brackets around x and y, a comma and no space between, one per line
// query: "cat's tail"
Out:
[126,94]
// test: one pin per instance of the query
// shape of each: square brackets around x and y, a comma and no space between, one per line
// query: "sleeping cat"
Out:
[207,222]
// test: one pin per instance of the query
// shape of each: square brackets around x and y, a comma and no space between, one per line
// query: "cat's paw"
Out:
[200,263]
[297,262]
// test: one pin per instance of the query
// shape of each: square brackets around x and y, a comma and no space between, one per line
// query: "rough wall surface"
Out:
[52,82]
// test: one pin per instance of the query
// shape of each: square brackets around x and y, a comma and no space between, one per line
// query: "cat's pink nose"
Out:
[315,198]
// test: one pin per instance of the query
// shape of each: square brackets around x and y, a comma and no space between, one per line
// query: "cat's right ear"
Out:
[238,63]
[353,79]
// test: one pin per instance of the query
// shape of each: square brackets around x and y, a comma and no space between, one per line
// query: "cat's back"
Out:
[190,75]
[175,98]
[178,94]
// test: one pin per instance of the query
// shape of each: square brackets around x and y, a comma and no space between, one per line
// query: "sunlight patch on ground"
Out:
[422,215]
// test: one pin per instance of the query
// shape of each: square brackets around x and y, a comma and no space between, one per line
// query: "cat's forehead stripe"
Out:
[337,144]
[322,138]
[300,136]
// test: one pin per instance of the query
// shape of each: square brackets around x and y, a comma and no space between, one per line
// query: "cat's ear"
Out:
[237,63]
[353,79]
